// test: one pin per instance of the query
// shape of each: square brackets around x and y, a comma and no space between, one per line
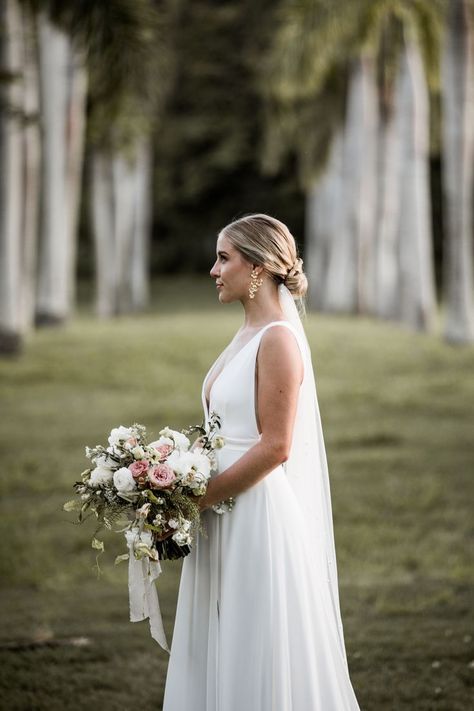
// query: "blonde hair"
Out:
[266,241]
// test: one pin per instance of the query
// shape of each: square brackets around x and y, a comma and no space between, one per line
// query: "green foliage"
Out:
[303,78]
[397,415]
[129,60]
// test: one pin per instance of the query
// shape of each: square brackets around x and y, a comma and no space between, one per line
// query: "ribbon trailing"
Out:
[142,591]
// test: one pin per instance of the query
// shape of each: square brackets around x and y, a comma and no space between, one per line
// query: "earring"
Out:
[254,284]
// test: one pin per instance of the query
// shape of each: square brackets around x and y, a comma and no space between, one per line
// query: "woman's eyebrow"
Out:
[220,252]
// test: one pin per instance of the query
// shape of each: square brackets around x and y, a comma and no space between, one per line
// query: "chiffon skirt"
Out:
[251,629]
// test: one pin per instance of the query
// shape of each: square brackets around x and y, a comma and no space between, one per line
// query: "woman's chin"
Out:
[223,297]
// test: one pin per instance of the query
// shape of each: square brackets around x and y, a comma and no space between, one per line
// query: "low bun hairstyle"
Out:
[266,241]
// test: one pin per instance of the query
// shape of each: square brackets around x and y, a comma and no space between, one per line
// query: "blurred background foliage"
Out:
[133,131]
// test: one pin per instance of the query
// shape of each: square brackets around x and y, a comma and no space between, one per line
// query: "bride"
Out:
[258,624]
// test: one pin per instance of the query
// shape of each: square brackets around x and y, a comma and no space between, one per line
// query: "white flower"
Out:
[100,476]
[189,464]
[173,523]
[123,480]
[138,452]
[197,482]
[217,442]
[120,434]
[143,510]
[161,440]
[182,538]
[181,441]
[102,460]
[158,520]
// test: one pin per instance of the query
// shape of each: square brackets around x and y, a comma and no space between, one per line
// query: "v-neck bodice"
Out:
[232,392]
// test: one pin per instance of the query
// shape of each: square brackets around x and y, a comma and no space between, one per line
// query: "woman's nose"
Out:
[213,271]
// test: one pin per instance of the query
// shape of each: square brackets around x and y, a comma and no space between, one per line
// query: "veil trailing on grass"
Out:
[307,470]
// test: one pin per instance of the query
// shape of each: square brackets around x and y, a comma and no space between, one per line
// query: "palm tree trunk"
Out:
[458,164]
[74,159]
[121,211]
[320,223]
[103,224]
[388,215]
[52,306]
[359,179]
[11,180]
[340,282]
[32,158]
[123,178]
[140,257]
[417,291]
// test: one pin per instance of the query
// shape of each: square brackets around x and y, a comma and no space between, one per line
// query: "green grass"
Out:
[398,417]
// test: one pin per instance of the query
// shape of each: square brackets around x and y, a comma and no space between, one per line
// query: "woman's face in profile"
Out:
[231,271]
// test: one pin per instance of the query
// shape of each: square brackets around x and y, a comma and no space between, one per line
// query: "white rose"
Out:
[181,441]
[138,452]
[123,480]
[100,475]
[120,434]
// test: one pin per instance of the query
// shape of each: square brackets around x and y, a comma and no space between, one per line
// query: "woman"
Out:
[258,624]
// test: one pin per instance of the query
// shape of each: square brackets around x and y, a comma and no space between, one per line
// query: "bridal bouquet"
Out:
[148,488]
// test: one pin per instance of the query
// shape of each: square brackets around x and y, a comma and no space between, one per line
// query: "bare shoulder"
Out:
[279,351]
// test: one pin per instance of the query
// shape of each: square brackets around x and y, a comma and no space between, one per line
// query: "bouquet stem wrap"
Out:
[143,595]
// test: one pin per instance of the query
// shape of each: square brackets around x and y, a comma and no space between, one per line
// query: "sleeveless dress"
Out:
[250,628]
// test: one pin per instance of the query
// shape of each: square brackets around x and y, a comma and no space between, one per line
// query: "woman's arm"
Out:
[280,372]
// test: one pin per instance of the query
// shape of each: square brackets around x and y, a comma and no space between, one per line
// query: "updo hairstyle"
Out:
[266,241]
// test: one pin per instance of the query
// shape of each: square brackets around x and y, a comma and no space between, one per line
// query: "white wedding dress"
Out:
[251,630]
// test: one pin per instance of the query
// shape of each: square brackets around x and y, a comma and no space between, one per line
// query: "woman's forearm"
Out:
[247,471]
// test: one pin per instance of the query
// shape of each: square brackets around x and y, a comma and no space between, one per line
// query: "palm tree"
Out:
[119,45]
[120,149]
[458,167]
[19,168]
[416,276]
[315,38]
[63,93]
[11,151]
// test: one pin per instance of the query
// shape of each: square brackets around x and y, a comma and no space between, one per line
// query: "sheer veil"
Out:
[307,471]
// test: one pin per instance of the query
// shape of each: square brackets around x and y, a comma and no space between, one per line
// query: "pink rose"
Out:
[161,475]
[164,450]
[132,441]
[139,471]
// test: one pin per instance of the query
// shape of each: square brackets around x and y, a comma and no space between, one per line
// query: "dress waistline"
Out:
[238,442]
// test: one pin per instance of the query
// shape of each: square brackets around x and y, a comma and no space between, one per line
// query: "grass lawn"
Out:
[398,418]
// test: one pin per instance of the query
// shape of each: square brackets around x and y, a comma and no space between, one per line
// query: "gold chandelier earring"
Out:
[254,283]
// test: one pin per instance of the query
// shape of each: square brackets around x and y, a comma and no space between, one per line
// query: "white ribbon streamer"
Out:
[142,591]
